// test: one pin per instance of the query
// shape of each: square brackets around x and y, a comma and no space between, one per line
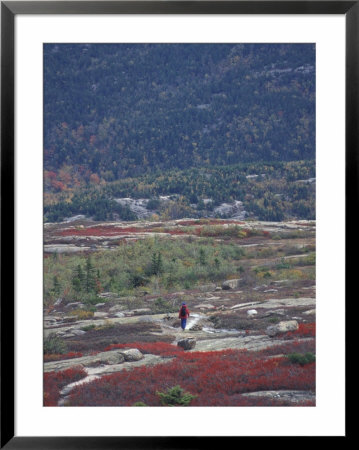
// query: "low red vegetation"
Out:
[304,330]
[59,357]
[100,231]
[189,223]
[55,381]
[216,378]
[292,346]
[114,231]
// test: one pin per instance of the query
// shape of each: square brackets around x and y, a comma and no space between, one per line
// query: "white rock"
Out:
[282,327]
[252,312]
[132,354]
[76,332]
[99,315]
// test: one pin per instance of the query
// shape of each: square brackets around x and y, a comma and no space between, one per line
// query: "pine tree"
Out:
[56,285]
[78,279]
[156,264]
[202,257]
[90,277]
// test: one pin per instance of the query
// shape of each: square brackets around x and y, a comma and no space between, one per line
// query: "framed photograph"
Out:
[175,182]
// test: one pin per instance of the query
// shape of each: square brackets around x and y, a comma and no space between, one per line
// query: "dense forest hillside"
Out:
[120,110]
[115,113]
[271,191]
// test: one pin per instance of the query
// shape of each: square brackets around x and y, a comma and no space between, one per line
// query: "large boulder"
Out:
[187,343]
[132,354]
[207,287]
[113,358]
[282,327]
[70,319]
[231,284]
[74,305]
[108,358]
[100,315]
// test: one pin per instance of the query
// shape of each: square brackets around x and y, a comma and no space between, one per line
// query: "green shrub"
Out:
[283,265]
[137,280]
[162,306]
[54,345]
[297,358]
[93,300]
[273,320]
[88,327]
[175,396]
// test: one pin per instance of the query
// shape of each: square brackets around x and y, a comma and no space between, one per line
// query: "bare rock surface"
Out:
[65,329]
[289,302]
[288,396]
[112,357]
[282,327]
[254,343]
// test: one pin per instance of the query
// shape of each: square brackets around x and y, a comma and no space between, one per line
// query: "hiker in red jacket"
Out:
[183,315]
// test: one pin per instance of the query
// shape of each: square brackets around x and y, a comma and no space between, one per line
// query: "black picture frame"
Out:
[9,9]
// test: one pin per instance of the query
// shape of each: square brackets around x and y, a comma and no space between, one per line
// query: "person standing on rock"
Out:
[183,315]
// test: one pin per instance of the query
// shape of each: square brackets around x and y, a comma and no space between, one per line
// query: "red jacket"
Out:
[187,313]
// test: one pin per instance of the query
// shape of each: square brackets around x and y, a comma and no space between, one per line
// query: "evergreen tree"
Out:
[90,277]
[56,285]
[175,396]
[156,263]
[78,279]
[202,257]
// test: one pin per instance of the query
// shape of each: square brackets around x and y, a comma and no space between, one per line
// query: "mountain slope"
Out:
[118,110]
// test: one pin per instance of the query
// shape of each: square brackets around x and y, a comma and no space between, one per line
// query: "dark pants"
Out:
[183,323]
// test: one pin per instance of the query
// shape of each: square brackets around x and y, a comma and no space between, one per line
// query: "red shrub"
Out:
[58,357]
[216,378]
[100,231]
[293,346]
[55,381]
[304,330]
[114,231]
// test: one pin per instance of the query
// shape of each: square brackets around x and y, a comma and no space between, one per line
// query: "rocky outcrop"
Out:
[294,397]
[187,343]
[282,327]
[207,287]
[231,284]
[241,342]
[108,358]
[112,357]
[131,354]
